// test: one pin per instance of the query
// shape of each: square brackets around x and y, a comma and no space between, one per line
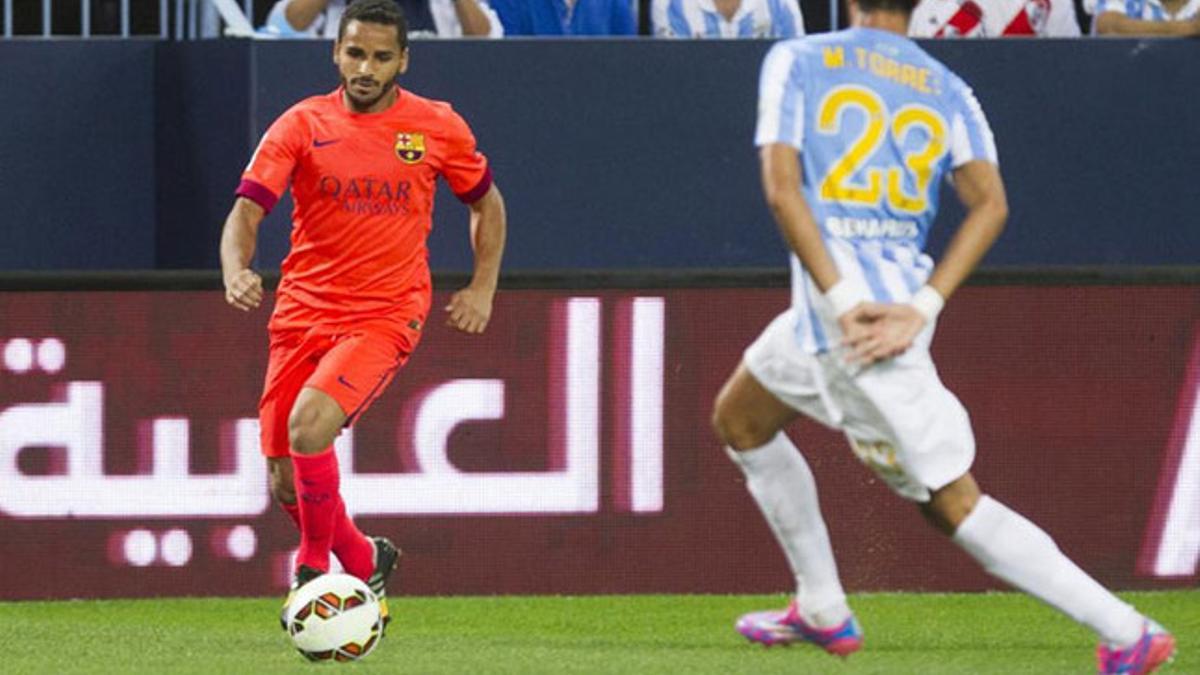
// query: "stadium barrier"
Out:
[568,450]
[605,161]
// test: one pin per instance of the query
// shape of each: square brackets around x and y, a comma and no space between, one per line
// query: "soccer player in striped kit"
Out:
[726,19]
[856,129]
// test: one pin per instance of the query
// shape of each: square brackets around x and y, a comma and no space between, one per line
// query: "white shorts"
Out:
[900,419]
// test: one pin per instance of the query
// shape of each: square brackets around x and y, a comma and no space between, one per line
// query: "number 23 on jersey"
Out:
[840,184]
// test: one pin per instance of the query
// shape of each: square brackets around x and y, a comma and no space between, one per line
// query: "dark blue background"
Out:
[610,153]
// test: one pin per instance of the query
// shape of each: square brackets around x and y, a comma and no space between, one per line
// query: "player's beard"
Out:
[363,101]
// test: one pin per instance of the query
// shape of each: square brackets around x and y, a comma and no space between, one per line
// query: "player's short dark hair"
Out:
[904,6]
[385,12]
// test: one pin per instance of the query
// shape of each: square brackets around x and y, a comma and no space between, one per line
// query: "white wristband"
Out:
[843,297]
[928,302]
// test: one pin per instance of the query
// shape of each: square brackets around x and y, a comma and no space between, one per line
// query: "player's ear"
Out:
[403,61]
[336,45]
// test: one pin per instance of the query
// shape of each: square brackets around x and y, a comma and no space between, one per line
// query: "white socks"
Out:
[782,484]
[1015,550]
[1007,545]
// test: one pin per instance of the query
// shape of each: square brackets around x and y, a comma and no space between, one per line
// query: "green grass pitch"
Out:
[905,633]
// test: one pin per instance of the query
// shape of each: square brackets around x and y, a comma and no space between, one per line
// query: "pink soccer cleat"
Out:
[786,626]
[1154,648]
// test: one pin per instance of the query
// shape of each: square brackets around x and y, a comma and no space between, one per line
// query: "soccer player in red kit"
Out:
[355,290]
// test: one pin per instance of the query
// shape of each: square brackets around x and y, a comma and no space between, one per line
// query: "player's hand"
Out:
[469,310]
[244,290]
[857,322]
[882,331]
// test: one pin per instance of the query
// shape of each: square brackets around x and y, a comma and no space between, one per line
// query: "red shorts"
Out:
[351,363]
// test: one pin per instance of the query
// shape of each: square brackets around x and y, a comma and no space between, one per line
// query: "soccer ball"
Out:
[334,616]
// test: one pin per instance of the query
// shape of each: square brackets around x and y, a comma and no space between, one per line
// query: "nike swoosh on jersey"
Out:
[318,143]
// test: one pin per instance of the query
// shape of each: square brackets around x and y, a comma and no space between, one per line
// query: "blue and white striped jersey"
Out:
[1144,10]
[878,123]
[700,19]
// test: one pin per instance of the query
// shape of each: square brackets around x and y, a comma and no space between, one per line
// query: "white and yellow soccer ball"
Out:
[334,617]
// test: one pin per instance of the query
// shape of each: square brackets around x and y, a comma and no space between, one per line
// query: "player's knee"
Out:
[306,433]
[935,518]
[306,439]
[721,421]
[738,431]
[951,505]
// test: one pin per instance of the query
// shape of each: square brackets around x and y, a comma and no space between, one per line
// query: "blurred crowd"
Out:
[728,19]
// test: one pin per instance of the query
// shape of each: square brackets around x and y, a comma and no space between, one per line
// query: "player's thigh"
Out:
[775,381]
[314,421]
[905,425]
[357,369]
[292,359]
[952,503]
[789,373]
[745,414]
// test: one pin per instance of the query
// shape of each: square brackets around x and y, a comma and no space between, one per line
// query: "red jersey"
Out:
[363,186]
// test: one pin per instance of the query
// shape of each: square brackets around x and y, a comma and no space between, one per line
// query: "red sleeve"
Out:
[271,166]
[464,167]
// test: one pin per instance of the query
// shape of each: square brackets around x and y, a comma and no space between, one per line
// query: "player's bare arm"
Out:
[300,14]
[243,286]
[981,191]
[892,328]
[781,187]
[471,307]
[781,175]
[473,19]
[1115,23]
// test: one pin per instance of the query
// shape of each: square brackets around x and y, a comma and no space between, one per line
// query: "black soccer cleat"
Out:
[387,557]
[304,574]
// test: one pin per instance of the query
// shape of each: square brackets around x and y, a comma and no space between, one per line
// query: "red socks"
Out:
[352,548]
[321,516]
[316,480]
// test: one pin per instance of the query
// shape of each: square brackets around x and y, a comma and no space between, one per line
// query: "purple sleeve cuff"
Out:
[257,193]
[476,193]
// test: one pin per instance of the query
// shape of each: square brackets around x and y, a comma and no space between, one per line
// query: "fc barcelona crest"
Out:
[410,147]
